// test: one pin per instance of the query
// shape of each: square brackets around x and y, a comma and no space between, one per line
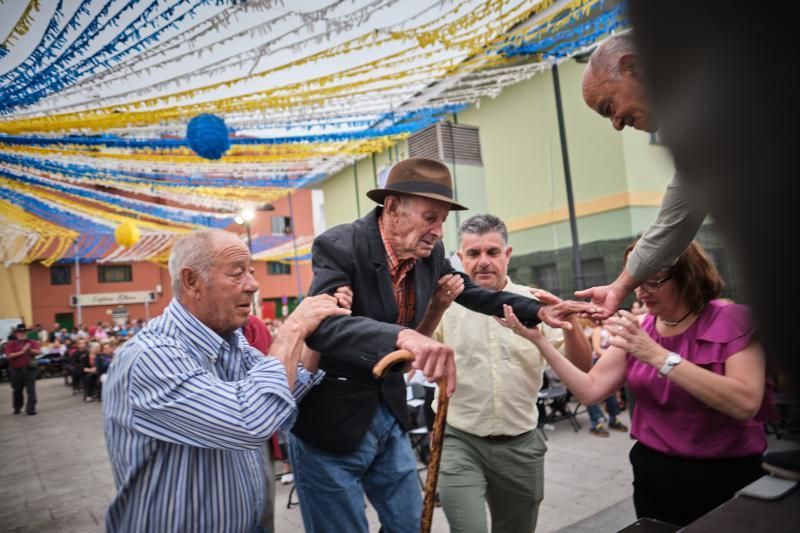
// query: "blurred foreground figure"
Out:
[718,79]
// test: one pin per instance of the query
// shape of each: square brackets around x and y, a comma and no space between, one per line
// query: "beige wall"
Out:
[15,288]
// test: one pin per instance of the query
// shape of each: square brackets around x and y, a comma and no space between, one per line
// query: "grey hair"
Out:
[192,251]
[483,224]
[605,59]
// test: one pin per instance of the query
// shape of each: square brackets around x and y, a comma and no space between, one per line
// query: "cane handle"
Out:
[387,361]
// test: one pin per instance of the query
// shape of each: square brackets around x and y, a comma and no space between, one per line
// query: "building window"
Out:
[281,225]
[275,268]
[594,272]
[114,273]
[546,277]
[60,275]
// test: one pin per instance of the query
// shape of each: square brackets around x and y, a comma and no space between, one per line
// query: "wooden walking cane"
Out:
[379,371]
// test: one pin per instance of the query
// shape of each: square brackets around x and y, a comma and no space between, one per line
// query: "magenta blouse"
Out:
[669,419]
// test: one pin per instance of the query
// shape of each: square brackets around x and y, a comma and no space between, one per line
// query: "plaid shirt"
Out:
[402,281]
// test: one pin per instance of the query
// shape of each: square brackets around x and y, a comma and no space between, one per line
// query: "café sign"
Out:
[112,298]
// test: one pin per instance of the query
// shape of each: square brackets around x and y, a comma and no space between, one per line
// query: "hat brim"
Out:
[378,196]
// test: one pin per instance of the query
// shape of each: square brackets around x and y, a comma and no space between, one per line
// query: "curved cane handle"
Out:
[387,361]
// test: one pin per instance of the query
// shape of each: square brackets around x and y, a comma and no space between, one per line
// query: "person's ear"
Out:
[190,281]
[629,66]
[460,255]
[391,204]
[508,252]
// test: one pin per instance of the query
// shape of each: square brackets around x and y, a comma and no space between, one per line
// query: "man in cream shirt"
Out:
[492,452]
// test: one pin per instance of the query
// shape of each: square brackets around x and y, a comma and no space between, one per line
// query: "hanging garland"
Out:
[21,27]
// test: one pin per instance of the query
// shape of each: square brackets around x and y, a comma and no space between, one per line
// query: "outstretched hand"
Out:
[556,312]
[511,322]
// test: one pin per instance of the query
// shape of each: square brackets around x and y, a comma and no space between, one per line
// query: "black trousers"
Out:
[24,379]
[679,491]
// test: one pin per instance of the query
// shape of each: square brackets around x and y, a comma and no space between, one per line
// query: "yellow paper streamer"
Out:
[23,24]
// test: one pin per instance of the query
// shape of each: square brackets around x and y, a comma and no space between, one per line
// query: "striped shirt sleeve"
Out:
[176,400]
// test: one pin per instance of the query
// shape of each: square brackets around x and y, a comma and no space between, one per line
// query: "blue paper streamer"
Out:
[153,210]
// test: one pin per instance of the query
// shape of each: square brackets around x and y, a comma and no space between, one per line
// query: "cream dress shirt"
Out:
[499,373]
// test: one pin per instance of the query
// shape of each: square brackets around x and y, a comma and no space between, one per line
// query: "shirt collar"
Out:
[197,333]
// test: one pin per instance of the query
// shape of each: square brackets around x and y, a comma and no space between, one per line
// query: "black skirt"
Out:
[679,490]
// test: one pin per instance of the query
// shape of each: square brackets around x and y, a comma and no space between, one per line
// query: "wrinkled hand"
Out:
[312,310]
[556,315]
[606,299]
[434,359]
[628,335]
[511,322]
[344,296]
[447,290]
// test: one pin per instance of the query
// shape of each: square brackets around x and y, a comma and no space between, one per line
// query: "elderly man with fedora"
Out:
[21,353]
[350,437]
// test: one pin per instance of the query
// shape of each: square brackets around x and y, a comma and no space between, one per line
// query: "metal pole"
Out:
[455,181]
[250,249]
[358,194]
[78,285]
[296,263]
[573,224]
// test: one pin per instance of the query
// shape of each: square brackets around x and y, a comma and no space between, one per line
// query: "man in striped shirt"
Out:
[188,404]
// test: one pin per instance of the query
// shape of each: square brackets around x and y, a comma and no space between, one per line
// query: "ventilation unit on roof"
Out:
[447,142]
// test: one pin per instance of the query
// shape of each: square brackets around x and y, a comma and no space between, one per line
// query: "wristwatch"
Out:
[671,362]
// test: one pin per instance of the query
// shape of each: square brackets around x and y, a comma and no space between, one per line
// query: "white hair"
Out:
[193,251]
[605,59]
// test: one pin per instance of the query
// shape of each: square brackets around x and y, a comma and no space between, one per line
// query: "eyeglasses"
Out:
[653,286]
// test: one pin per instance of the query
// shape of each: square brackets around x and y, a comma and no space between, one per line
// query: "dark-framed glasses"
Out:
[652,286]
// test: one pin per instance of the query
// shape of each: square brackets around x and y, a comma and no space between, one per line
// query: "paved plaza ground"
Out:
[55,475]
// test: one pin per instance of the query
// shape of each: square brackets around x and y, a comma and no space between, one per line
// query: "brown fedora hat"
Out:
[418,176]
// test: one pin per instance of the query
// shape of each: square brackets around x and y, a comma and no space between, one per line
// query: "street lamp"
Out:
[245,218]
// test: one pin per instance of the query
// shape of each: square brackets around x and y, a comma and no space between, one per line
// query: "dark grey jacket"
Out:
[336,414]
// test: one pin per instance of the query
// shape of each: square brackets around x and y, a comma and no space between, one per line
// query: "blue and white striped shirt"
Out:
[186,416]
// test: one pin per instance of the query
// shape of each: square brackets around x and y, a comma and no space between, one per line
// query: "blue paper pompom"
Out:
[208,136]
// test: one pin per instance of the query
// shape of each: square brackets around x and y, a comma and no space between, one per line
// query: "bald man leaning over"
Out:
[613,86]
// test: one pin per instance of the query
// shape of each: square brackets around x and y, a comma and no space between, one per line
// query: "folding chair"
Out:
[554,402]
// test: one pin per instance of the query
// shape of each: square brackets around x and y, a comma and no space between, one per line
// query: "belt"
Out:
[504,438]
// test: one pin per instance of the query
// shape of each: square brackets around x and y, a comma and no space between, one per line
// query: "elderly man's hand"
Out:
[447,290]
[344,295]
[313,310]
[434,359]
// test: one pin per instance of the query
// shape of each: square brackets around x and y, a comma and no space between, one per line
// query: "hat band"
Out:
[420,187]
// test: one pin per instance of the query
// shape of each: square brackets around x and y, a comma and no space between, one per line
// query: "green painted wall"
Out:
[522,151]
[648,167]
[522,172]
[342,203]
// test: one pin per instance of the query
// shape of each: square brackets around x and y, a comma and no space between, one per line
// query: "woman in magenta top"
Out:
[697,372]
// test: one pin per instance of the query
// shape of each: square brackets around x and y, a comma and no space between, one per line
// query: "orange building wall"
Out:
[277,286]
[48,300]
